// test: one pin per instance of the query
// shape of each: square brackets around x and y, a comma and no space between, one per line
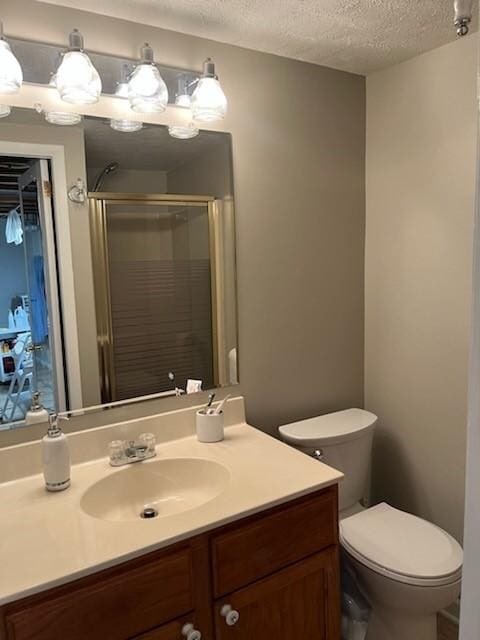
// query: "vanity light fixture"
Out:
[183,97]
[463,16]
[147,91]
[208,100]
[184,131]
[121,90]
[126,126]
[123,124]
[11,76]
[63,118]
[77,80]
[5,110]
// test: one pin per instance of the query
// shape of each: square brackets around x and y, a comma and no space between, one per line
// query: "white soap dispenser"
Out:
[37,412]
[56,457]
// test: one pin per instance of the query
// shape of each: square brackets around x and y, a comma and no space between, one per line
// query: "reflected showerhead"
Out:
[110,168]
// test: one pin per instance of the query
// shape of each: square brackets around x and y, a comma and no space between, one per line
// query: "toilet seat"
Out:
[402,547]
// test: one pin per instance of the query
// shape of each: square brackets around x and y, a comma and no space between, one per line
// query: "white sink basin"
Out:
[168,487]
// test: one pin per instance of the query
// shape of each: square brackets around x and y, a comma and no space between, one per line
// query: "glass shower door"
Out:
[155,291]
[160,288]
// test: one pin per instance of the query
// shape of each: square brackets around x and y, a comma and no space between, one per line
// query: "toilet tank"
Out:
[342,440]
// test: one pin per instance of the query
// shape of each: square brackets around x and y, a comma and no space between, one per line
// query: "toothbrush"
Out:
[219,409]
[211,398]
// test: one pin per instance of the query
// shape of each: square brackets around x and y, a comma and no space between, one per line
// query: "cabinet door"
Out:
[301,602]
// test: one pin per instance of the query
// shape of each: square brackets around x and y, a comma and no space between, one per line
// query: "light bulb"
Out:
[63,118]
[208,100]
[11,76]
[183,132]
[126,126]
[147,90]
[77,80]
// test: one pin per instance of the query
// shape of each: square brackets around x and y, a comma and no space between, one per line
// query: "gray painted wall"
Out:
[298,134]
[421,161]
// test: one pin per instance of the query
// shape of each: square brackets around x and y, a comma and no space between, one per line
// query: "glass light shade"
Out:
[183,100]
[147,90]
[184,132]
[62,118]
[77,80]
[208,101]
[126,126]
[122,90]
[11,76]
[5,110]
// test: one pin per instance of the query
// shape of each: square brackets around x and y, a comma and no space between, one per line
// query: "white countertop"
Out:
[46,539]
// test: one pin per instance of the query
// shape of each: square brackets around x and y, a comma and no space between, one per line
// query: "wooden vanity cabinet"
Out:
[298,602]
[274,574]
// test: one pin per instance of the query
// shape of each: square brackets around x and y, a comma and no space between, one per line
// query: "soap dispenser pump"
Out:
[37,412]
[56,457]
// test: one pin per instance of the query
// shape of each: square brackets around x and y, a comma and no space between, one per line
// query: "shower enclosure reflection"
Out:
[163,250]
[161,272]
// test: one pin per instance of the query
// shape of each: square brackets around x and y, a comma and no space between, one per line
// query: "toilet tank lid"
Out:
[330,428]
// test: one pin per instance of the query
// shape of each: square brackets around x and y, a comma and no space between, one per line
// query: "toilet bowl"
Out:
[408,569]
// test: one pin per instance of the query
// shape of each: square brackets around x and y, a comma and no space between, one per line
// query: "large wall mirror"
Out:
[150,254]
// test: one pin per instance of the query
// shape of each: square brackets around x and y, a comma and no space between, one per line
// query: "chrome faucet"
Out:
[126,452]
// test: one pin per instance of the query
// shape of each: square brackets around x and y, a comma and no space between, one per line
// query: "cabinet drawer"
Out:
[117,606]
[268,542]
[169,631]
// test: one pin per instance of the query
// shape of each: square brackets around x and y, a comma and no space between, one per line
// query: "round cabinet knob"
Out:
[318,455]
[190,633]
[231,615]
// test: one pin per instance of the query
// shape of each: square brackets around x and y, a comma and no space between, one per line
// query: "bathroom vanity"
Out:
[257,560]
[277,569]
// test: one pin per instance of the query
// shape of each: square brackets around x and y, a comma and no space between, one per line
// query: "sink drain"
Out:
[148,512]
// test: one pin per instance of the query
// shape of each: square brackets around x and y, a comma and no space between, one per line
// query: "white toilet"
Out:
[408,568]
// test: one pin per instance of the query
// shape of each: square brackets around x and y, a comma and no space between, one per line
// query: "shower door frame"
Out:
[98,202]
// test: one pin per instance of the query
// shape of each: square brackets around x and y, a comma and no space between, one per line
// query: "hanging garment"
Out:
[13,228]
[38,302]
[21,319]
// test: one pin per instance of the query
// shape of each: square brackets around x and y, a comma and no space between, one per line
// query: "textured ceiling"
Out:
[354,35]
